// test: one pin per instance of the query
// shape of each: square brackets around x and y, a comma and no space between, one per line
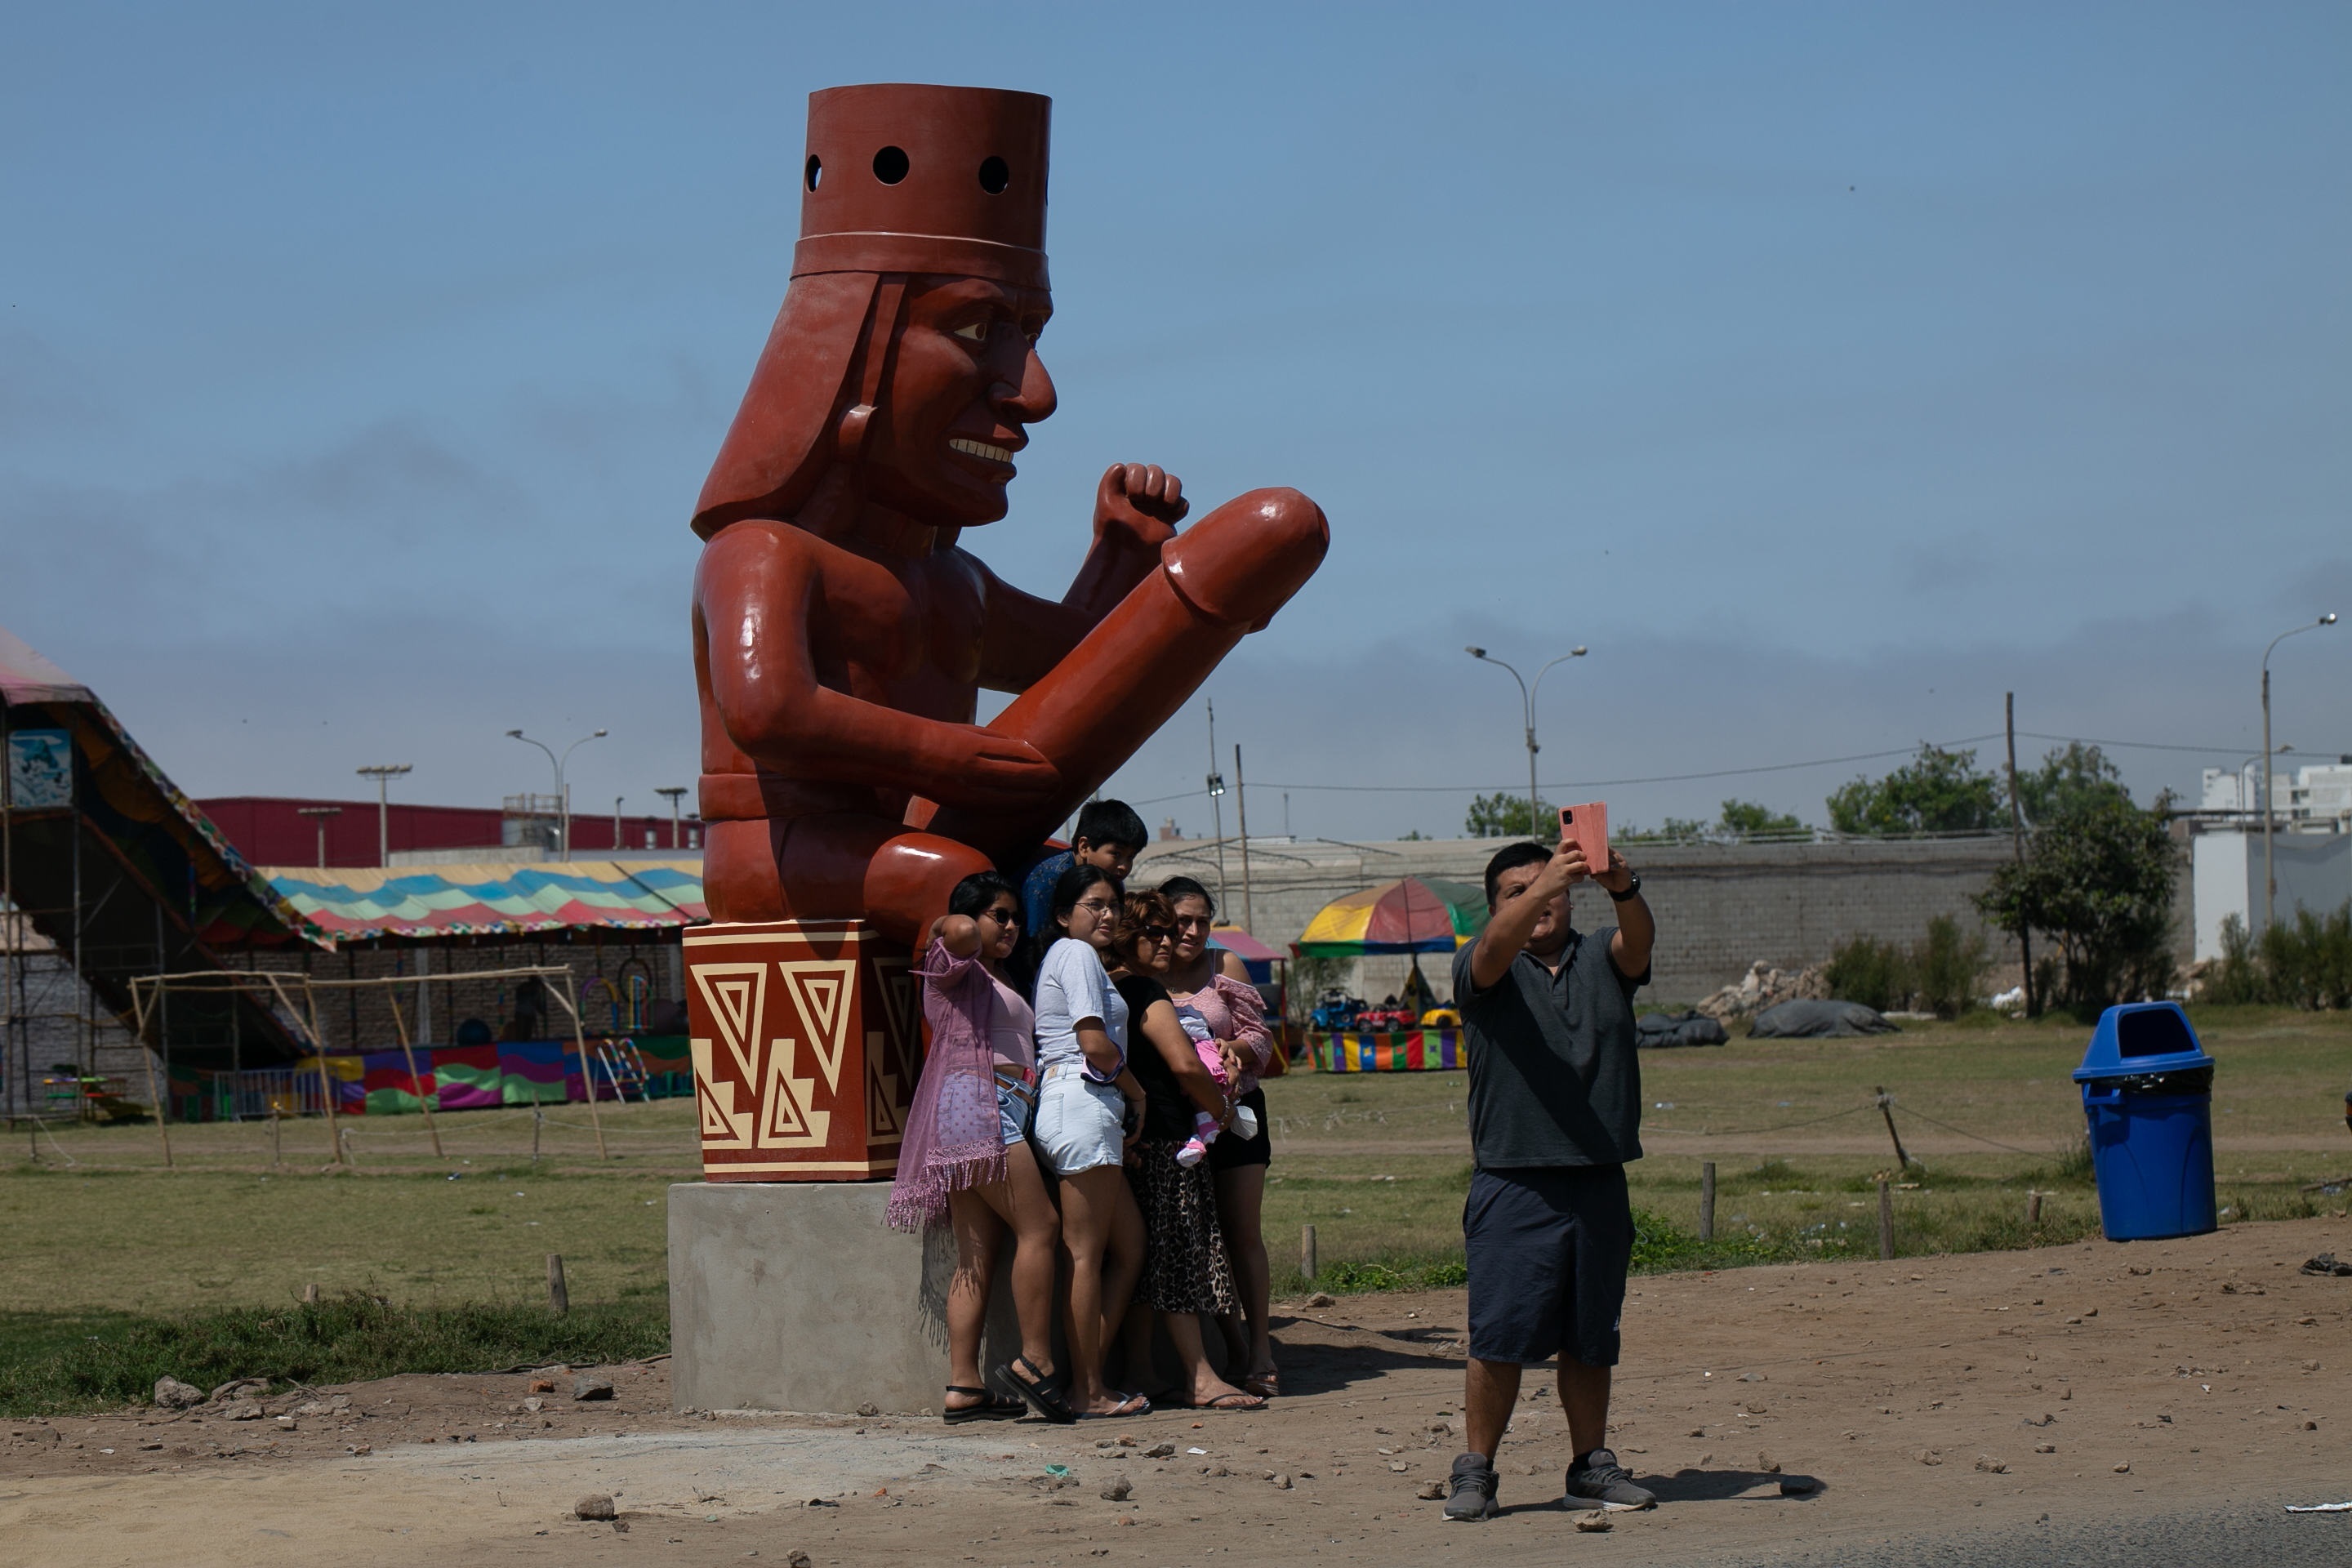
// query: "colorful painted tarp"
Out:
[1412,1050]
[360,902]
[1411,914]
[457,1078]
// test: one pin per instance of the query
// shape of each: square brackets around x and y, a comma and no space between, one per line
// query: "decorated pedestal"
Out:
[807,1038]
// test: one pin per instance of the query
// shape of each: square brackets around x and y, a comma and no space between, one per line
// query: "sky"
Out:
[1828,370]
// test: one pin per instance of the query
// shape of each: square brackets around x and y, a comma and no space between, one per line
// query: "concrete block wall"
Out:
[1721,906]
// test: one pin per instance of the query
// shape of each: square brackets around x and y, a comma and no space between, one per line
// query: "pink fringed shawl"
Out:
[954,1139]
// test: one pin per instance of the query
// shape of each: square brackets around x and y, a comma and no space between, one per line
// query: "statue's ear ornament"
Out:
[849,436]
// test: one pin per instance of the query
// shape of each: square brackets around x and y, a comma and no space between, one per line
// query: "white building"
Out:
[2311,846]
[2311,792]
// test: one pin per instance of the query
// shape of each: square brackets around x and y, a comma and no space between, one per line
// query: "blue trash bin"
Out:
[2147,1094]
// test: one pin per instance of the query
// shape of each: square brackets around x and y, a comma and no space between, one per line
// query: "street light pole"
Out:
[676,793]
[1527,709]
[384,774]
[2270,870]
[562,794]
[321,812]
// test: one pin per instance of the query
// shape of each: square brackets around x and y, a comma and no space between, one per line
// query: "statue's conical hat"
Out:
[899,179]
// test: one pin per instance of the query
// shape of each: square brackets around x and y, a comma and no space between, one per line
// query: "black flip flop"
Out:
[1041,1395]
[993,1406]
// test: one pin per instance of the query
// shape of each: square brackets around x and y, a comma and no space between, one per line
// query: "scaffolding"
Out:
[151,995]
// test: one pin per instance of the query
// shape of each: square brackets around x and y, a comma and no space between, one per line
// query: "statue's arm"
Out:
[760,602]
[1137,507]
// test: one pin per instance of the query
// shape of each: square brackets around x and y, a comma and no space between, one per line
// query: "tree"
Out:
[1936,792]
[1746,819]
[1506,816]
[2078,775]
[2097,876]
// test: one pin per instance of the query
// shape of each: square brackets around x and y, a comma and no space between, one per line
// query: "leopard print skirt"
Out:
[1184,1265]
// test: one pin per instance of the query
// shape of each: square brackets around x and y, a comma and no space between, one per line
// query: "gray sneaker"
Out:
[1598,1480]
[1472,1488]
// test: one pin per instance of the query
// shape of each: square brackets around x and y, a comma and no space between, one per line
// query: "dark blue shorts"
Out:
[1549,1247]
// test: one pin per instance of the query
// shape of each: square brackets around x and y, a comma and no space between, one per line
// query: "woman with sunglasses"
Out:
[966,1160]
[1185,1271]
[1088,1106]
[1216,984]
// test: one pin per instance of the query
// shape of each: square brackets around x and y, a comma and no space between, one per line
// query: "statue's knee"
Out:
[1243,561]
[908,880]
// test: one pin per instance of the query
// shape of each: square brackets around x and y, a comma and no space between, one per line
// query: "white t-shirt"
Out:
[1073,984]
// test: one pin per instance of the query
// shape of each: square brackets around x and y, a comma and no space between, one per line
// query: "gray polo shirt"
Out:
[1554,1076]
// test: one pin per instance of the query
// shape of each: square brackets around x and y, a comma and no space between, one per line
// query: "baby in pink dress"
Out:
[1205,1126]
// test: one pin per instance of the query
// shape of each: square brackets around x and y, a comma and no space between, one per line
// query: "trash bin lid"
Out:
[2139,1038]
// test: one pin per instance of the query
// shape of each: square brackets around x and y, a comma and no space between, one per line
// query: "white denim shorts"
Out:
[1078,1121]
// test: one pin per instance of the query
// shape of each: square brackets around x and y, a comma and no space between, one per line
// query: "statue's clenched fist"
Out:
[1141,501]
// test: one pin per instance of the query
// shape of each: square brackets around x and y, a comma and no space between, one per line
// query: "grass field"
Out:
[99,1238]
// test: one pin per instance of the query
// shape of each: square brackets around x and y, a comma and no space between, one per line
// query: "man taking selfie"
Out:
[1555,1113]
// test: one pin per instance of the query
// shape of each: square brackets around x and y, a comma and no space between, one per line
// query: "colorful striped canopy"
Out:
[1411,914]
[360,903]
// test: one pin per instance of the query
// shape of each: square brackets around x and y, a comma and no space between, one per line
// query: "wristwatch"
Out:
[1632,888]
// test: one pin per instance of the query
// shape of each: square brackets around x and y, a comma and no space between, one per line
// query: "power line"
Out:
[1653,778]
[1709,773]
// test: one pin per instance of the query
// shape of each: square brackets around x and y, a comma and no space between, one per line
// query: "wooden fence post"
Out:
[2032,1208]
[1706,1201]
[558,1300]
[1306,1259]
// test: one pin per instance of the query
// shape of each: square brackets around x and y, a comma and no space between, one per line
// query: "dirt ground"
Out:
[1924,1398]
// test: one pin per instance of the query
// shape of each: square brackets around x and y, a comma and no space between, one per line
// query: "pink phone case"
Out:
[1588,826]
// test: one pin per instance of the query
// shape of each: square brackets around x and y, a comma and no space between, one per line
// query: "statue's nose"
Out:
[1031,401]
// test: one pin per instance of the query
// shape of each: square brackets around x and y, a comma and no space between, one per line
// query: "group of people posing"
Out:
[1091,1089]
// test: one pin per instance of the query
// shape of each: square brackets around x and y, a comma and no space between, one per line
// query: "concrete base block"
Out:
[794,1296]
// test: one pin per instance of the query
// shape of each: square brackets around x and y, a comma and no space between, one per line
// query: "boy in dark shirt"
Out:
[1108,836]
[1555,1113]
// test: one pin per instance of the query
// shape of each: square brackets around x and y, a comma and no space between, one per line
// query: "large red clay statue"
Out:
[841,630]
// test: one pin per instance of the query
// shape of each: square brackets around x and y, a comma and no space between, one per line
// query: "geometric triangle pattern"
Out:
[738,994]
[883,1120]
[787,1118]
[806,1042]
[821,990]
[722,1126]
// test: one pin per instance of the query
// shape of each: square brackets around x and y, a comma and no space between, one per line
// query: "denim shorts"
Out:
[1017,1105]
[1078,1121]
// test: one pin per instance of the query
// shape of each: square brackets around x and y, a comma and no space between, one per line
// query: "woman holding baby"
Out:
[1190,1081]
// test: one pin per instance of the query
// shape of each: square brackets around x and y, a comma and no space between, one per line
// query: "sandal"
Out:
[993,1406]
[1264,1384]
[1228,1402]
[1044,1395]
[1129,1406]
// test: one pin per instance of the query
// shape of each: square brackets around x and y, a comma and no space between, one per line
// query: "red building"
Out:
[271,830]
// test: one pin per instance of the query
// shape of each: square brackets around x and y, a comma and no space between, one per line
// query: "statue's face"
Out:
[964,388]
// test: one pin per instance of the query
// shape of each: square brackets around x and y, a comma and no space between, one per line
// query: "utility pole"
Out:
[1241,803]
[2017,845]
[384,774]
[676,793]
[1216,807]
[616,822]
[321,813]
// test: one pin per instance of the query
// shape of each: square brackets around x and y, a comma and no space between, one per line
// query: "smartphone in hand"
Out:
[1586,827]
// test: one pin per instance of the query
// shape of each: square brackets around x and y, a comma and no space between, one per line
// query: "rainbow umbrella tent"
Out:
[1411,914]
